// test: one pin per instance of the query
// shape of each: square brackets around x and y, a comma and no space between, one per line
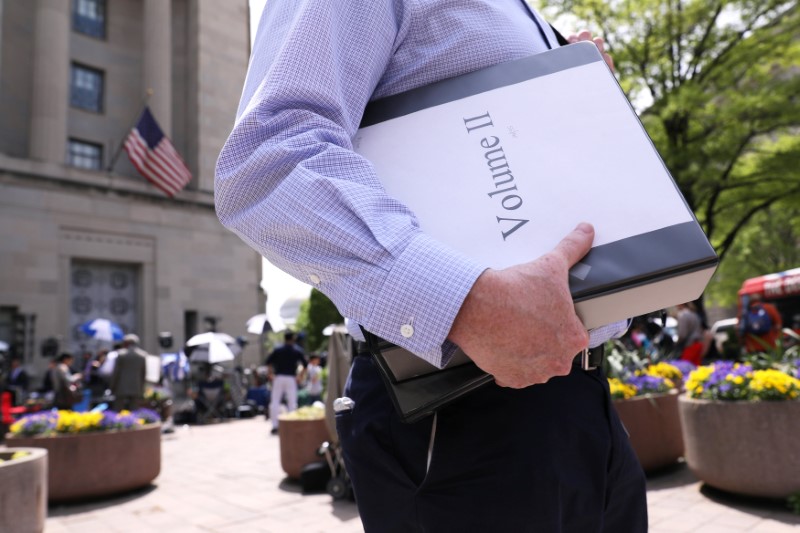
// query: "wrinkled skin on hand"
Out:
[519,323]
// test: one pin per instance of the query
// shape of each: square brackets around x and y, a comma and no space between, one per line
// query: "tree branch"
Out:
[737,39]
[722,249]
[700,48]
[721,182]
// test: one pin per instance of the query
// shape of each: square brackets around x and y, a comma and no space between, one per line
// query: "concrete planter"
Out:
[655,428]
[23,490]
[748,448]
[89,465]
[300,441]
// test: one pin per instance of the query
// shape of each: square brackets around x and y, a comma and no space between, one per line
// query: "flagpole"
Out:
[148,93]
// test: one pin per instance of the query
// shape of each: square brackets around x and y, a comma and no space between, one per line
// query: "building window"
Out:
[84,154]
[89,17]
[86,91]
[189,324]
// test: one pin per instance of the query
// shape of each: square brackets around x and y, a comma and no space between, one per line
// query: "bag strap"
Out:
[560,38]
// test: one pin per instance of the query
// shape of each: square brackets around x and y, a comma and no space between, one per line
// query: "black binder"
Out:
[422,145]
[417,396]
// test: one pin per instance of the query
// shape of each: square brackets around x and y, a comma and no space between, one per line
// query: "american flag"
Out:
[153,155]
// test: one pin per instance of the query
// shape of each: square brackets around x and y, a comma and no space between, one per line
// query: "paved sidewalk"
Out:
[227,477]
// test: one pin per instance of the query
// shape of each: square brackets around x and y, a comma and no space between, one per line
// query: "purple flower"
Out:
[647,384]
[685,367]
[109,420]
[39,423]
[148,415]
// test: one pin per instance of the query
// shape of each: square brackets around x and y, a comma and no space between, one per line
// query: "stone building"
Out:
[82,234]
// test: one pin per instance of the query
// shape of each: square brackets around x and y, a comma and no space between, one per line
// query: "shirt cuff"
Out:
[421,297]
[615,330]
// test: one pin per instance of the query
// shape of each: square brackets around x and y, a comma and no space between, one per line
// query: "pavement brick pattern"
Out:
[227,477]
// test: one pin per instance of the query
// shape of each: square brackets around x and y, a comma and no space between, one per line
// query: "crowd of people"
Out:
[690,337]
[116,376]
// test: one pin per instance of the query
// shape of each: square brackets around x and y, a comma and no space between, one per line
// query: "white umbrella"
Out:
[213,348]
[215,352]
[256,324]
[205,338]
[3,346]
[334,328]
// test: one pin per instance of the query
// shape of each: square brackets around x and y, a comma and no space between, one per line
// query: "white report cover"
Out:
[502,163]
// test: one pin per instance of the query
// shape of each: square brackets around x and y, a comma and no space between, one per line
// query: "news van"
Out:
[781,289]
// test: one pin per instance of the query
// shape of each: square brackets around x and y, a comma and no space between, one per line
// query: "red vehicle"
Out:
[781,289]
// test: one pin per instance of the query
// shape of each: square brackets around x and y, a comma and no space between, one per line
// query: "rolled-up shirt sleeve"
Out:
[290,185]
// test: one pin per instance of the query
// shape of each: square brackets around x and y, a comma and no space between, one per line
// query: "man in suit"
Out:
[128,379]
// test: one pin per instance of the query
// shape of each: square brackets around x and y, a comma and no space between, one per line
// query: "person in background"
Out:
[761,325]
[128,378]
[94,380]
[66,384]
[314,378]
[18,382]
[690,334]
[107,368]
[283,363]
[47,381]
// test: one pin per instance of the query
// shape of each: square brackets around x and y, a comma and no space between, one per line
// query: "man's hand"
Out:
[585,35]
[519,323]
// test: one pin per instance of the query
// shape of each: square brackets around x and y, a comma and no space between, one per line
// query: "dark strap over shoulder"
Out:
[560,38]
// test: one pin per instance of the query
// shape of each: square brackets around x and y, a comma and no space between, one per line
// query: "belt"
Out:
[588,359]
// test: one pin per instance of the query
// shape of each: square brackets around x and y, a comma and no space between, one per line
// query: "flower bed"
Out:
[647,403]
[65,422]
[93,454]
[741,430]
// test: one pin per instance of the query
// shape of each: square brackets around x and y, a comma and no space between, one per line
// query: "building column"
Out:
[158,60]
[50,99]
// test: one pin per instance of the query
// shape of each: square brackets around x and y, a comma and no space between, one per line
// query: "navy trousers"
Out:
[550,458]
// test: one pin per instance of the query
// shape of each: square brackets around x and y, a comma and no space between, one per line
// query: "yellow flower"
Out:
[664,370]
[775,380]
[619,388]
[697,378]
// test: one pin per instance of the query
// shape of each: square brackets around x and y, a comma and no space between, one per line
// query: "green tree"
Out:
[716,84]
[316,314]
[770,244]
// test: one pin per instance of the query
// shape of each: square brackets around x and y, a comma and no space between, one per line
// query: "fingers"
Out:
[599,42]
[576,244]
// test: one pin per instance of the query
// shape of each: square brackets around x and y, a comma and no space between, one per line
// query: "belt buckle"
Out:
[586,362]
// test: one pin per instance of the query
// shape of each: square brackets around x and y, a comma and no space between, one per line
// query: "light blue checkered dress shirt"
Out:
[289,184]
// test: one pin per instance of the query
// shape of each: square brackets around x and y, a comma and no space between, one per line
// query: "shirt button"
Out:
[314,279]
[407,330]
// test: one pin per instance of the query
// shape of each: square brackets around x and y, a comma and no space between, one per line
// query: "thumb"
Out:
[576,244]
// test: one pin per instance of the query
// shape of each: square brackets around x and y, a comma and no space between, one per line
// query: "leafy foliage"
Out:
[716,84]
[316,314]
[771,243]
